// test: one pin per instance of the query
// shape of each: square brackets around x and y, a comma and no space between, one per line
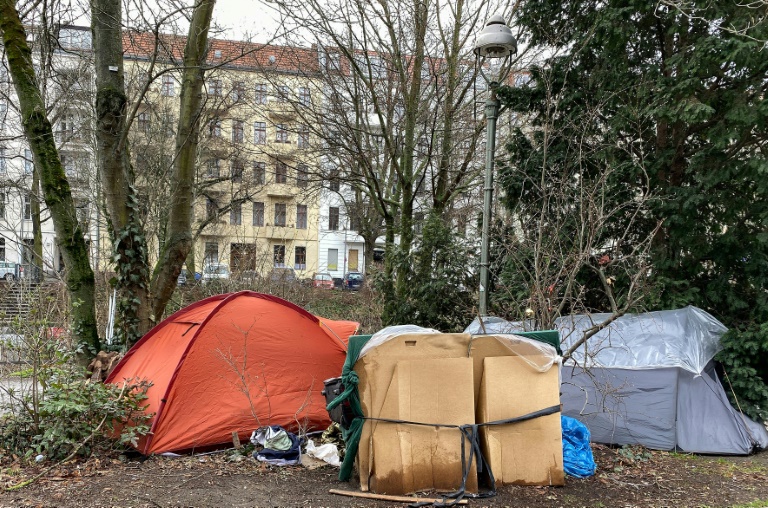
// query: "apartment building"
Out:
[257,203]
[269,192]
[68,86]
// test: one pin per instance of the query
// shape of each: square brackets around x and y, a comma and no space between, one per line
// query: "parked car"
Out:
[215,271]
[282,276]
[9,271]
[352,281]
[322,280]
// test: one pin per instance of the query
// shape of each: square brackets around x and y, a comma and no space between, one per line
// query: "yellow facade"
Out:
[256,203]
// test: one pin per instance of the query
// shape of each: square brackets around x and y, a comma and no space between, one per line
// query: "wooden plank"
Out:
[385,497]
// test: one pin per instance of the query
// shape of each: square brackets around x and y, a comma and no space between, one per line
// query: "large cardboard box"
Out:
[528,452]
[382,454]
[411,458]
[440,378]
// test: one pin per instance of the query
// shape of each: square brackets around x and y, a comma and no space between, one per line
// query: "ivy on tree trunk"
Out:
[56,189]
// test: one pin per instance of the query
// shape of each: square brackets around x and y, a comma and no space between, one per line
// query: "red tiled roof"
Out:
[141,45]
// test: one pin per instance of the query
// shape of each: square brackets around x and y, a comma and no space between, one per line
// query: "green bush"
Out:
[744,360]
[69,413]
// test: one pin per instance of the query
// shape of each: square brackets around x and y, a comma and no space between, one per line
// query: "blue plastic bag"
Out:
[577,454]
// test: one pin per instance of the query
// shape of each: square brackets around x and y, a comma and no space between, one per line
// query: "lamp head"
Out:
[495,40]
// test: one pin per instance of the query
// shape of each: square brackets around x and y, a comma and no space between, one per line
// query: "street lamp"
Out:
[496,42]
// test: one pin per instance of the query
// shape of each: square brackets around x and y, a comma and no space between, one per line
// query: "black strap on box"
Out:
[470,433]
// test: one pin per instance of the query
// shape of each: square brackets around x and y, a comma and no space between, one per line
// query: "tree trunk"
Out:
[56,190]
[121,200]
[412,108]
[179,237]
[36,265]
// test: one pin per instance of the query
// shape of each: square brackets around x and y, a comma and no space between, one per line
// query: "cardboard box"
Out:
[378,382]
[528,452]
[440,378]
[409,458]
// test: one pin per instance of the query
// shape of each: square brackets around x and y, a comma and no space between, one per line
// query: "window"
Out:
[260,133]
[27,207]
[168,86]
[3,160]
[211,253]
[305,97]
[282,93]
[238,91]
[2,249]
[332,61]
[300,258]
[259,173]
[3,109]
[301,216]
[143,122]
[215,87]
[168,124]
[214,128]
[418,222]
[213,168]
[280,214]
[66,128]
[302,176]
[281,133]
[238,131]
[83,212]
[378,69]
[258,213]
[333,182]
[2,209]
[211,208]
[260,93]
[73,38]
[354,223]
[281,172]
[236,214]
[237,171]
[302,141]
[333,218]
[279,255]
[68,164]
[333,259]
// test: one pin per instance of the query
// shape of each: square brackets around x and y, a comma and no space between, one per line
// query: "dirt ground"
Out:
[626,478]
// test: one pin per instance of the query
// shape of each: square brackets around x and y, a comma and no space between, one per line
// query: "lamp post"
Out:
[496,42]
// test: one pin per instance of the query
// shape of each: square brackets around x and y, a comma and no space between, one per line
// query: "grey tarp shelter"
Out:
[649,379]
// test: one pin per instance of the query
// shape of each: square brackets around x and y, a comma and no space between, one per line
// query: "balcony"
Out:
[281,190]
[281,111]
[279,232]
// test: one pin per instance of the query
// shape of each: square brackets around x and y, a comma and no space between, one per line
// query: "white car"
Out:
[215,271]
[9,271]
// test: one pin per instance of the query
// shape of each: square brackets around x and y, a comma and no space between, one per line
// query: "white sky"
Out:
[243,18]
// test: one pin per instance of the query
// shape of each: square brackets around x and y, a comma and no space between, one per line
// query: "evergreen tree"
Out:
[664,106]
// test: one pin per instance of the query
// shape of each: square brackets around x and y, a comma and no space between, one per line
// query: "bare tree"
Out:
[398,84]
[140,305]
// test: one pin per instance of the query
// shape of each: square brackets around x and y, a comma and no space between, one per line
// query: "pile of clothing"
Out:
[279,447]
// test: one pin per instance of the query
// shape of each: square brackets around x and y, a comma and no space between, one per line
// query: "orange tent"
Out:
[232,363]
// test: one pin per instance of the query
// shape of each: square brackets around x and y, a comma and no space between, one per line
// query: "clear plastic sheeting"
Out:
[687,338]
[493,324]
[538,355]
[389,333]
